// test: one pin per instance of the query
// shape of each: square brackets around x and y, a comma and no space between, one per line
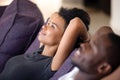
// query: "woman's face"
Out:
[52,31]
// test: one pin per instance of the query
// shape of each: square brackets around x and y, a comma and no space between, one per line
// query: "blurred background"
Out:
[102,13]
[99,10]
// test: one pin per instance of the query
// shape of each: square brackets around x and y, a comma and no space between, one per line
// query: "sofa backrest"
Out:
[19,26]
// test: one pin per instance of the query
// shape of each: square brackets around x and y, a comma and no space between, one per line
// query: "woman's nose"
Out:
[44,27]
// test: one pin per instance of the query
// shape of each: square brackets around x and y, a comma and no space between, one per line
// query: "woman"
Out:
[56,47]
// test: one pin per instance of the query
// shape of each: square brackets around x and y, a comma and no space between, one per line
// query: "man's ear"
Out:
[104,68]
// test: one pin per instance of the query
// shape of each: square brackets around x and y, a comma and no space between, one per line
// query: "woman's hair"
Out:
[69,14]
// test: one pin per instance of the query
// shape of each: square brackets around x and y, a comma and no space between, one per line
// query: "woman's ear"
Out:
[104,68]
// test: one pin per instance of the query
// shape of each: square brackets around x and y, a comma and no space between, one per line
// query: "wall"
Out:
[48,6]
[5,2]
[115,14]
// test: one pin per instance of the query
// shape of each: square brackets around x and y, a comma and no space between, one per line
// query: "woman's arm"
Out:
[75,29]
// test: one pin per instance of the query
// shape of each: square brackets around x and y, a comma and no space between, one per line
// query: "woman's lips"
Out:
[42,33]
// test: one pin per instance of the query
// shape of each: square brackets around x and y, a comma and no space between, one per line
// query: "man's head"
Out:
[101,55]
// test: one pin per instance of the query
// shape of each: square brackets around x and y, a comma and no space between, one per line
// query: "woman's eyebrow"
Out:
[47,20]
[55,24]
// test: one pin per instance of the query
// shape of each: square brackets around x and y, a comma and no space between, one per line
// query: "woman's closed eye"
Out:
[53,25]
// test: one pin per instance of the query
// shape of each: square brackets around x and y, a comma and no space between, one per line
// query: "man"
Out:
[97,58]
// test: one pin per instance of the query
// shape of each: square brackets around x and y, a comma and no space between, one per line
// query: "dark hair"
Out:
[114,55]
[69,14]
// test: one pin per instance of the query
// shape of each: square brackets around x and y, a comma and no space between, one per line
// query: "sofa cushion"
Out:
[19,26]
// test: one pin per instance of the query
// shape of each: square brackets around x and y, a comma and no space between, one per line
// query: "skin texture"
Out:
[75,29]
[52,31]
[90,58]
[58,44]
[51,34]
